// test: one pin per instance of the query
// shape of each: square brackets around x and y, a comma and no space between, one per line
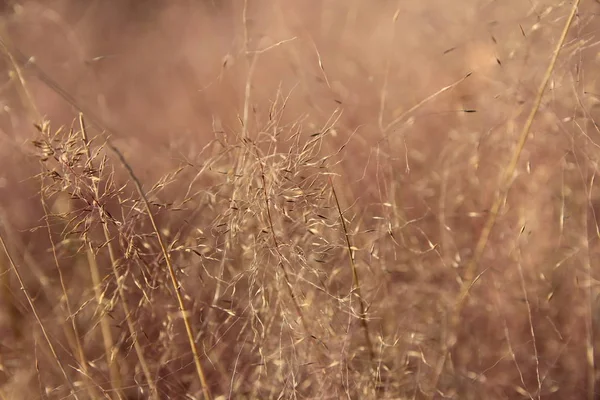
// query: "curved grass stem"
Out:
[471,276]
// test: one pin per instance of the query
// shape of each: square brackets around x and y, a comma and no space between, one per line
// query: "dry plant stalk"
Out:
[355,278]
[30,105]
[76,336]
[70,159]
[174,280]
[24,92]
[470,277]
[286,276]
[38,319]
[107,337]
[114,264]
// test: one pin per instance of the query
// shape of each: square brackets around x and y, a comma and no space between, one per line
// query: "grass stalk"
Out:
[286,276]
[471,276]
[355,278]
[115,270]
[174,280]
[38,319]
[107,337]
[72,316]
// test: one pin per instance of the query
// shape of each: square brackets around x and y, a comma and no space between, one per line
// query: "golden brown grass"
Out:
[317,200]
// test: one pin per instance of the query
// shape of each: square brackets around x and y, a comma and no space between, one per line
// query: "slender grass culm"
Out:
[176,285]
[355,278]
[471,277]
[51,346]
[114,264]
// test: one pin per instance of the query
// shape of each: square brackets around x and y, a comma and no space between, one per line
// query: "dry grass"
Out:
[318,200]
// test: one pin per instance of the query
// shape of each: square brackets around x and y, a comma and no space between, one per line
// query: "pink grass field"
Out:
[278,199]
